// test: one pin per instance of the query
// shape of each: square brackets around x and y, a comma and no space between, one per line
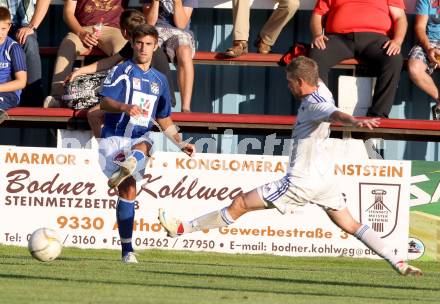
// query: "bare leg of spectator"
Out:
[417,73]
[95,117]
[185,75]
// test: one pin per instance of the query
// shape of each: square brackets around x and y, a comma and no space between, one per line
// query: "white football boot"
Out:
[130,258]
[126,169]
[172,225]
[405,269]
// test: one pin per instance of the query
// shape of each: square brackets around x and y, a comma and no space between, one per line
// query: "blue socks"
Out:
[138,154]
[125,214]
[125,218]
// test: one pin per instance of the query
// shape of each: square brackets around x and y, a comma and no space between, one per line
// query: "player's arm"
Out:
[338,116]
[97,66]
[112,106]
[16,84]
[18,71]
[170,130]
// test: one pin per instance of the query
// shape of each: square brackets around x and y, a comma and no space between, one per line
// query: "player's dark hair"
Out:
[304,68]
[130,19]
[144,30]
[5,15]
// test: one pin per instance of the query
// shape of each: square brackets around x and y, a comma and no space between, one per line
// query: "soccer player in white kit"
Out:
[307,179]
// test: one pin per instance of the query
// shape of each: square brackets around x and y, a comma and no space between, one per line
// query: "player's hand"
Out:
[392,47]
[22,34]
[133,110]
[88,39]
[189,149]
[367,123]
[319,42]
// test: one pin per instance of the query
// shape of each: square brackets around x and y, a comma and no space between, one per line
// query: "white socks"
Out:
[215,219]
[370,238]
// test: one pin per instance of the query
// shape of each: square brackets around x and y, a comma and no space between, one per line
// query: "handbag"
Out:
[82,92]
[296,50]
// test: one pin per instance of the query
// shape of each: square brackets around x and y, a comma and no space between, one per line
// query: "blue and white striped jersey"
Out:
[12,60]
[128,83]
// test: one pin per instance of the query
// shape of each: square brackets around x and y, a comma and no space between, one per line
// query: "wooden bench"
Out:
[215,58]
[249,124]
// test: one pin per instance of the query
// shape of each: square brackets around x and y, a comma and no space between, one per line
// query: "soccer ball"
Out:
[45,245]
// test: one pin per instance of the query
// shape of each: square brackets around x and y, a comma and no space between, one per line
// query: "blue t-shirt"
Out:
[128,83]
[166,11]
[431,8]
[12,60]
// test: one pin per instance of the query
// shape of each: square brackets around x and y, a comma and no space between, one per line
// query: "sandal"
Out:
[239,47]
[262,47]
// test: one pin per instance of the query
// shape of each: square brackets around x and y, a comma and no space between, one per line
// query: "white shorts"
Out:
[286,194]
[118,148]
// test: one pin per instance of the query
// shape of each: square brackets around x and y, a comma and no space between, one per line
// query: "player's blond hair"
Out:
[304,68]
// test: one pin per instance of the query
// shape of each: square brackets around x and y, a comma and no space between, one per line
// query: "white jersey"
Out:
[312,128]
[308,179]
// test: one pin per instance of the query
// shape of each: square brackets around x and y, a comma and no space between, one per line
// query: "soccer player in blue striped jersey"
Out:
[13,73]
[307,180]
[134,96]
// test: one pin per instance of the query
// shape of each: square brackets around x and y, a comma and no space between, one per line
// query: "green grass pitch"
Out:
[98,276]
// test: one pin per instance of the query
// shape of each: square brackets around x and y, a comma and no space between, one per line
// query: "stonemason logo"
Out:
[379,206]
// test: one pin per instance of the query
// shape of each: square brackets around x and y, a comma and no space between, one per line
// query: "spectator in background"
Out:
[81,16]
[425,56]
[12,65]
[268,34]
[129,20]
[369,30]
[26,18]
[172,20]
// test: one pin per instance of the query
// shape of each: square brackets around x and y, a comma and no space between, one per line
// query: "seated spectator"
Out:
[26,18]
[172,19]
[81,16]
[369,30]
[424,57]
[12,65]
[268,34]
[129,20]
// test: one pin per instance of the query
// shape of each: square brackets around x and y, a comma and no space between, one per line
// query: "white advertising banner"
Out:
[64,189]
